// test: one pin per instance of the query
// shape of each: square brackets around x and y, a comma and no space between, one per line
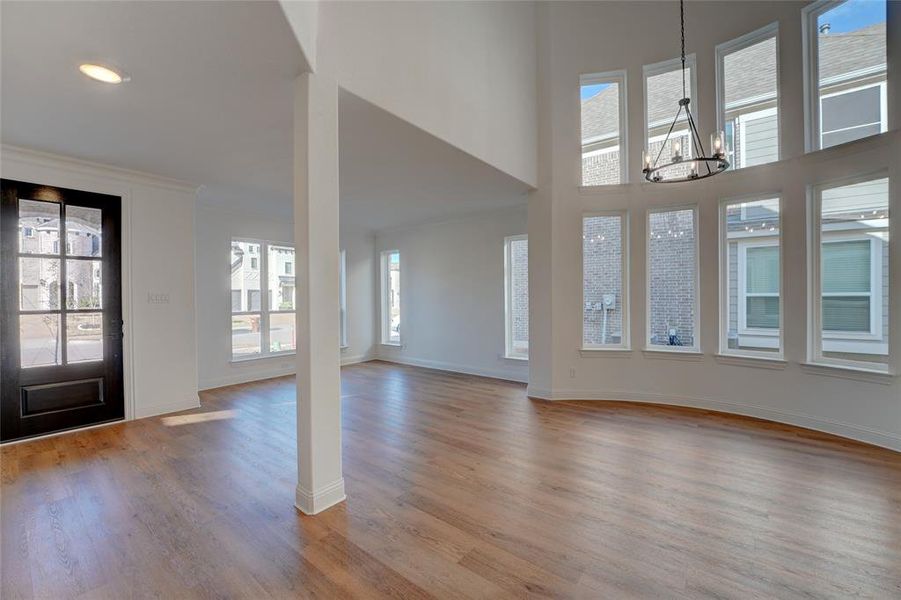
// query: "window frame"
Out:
[810,61]
[265,312]
[874,293]
[815,333]
[658,68]
[740,43]
[620,78]
[508,297]
[626,337]
[883,108]
[342,298]
[384,312]
[696,325]
[741,275]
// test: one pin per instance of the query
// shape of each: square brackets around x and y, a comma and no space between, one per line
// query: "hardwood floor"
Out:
[457,487]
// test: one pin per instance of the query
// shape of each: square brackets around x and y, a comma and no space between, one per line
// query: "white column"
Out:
[319,479]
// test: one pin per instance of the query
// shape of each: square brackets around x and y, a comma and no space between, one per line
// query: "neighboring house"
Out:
[853,103]
[854,273]
[40,277]
[245,277]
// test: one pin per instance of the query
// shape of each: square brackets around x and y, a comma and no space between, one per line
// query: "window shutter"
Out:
[763,270]
[846,267]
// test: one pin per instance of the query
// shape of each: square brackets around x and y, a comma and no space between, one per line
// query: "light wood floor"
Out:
[457,487]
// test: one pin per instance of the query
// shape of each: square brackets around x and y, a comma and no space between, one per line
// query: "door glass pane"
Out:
[83,236]
[281,278]
[84,283]
[38,283]
[38,227]
[39,340]
[281,332]
[245,335]
[84,337]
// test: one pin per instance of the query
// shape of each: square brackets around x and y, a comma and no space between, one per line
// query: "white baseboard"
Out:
[358,358]
[311,503]
[247,376]
[142,412]
[508,375]
[855,432]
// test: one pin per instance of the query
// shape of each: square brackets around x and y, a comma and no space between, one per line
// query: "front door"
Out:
[60,310]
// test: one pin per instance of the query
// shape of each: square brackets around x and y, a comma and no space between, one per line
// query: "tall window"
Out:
[262,299]
[342,298]
[750,278]
[516,296]
[851,273]
[672,280]
[845,60]
[605,293]
[748,97]
[604,152]
[390,297]
[663,88]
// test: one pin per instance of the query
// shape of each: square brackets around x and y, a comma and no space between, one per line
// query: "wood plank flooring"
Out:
[458,487]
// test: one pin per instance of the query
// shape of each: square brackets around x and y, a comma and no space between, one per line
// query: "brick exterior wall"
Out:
[602,260]
[519,301]
[601,168]
[672,277]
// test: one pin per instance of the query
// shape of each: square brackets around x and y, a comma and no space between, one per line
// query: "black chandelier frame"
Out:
[713,164]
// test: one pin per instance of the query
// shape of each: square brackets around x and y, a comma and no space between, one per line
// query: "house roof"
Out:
[751,72]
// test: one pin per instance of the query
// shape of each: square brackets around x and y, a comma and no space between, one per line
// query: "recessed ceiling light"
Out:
[104,74]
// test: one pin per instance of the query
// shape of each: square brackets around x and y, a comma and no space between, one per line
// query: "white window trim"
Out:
[508,298]
[673,64]
[762,337]
[740,43]
[620,78]
[810,43]
[265,311]
[342,300]
[743,293]
[815,333]
[696,333]
[384,313]
[883,108]
[625,338]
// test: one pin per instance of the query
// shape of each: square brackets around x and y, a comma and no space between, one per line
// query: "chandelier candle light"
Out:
[701,165]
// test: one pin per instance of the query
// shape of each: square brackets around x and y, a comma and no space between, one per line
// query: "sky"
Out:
[592,90]
[854,14]
[850,15]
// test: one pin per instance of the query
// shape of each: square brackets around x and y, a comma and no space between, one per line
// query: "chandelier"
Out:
[678,167]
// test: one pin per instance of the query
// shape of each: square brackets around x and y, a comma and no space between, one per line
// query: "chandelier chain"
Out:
[682,24]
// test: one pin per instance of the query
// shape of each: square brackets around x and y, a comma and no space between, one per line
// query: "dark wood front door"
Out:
[60,309]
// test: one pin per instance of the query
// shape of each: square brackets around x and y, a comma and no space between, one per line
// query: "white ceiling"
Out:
[210,103]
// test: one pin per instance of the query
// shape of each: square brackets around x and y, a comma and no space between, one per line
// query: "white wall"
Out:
[452,293]
[214,231]
[586,38]
[359,247]
[157,257]
[215,227]
[462,71]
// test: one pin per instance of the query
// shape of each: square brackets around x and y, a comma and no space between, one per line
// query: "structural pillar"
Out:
[320,483]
